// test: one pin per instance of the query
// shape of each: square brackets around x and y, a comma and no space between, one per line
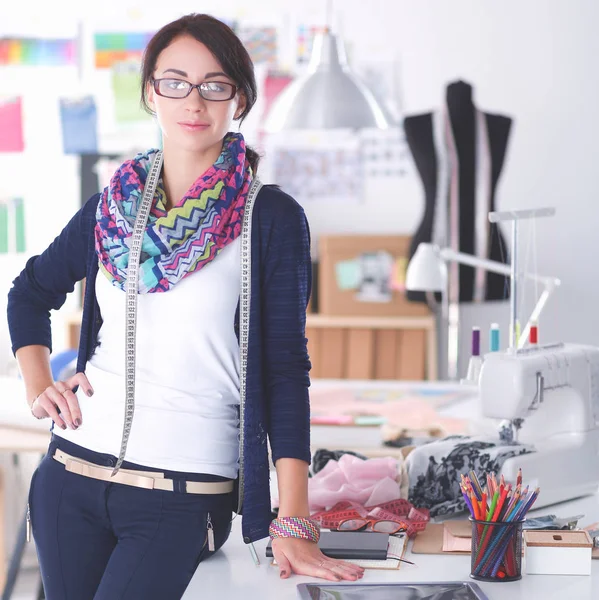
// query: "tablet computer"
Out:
[448,590]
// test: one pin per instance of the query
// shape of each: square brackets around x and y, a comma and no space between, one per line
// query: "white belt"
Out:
[144,479]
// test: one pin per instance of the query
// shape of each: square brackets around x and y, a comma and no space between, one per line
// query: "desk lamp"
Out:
[427,272]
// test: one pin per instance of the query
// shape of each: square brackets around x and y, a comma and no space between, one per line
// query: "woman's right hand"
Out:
[60,398]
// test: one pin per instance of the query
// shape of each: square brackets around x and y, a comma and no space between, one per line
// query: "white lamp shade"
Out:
[427,271]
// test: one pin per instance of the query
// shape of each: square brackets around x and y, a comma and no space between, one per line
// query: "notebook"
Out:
[351,544]
[396,550]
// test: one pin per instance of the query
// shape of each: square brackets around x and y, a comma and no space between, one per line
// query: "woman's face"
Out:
[192,123]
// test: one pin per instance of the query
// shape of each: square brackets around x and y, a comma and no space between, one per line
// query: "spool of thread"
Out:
[534,333]
[475,341]
[494,338]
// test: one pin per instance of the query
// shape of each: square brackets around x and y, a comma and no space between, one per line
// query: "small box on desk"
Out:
[557,552]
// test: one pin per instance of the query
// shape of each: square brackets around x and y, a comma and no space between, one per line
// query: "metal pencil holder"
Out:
[496,550]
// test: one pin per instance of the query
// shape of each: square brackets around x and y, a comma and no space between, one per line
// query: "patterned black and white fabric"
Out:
[434,469]
[323,456]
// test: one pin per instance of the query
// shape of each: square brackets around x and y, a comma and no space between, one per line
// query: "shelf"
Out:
[372,347]
[360,347]
[317,320]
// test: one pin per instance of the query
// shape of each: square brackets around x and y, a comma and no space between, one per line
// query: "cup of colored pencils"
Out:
[498,511]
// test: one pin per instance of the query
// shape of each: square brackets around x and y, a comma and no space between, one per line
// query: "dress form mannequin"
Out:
[462,129]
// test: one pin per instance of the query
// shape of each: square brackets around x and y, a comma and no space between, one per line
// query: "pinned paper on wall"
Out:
[318,166]
[375,277]
[305,38]
[274,84]
[38,52]
[370,274]
[260,42]
[319,175]
[348,274]
[79,125]
[125,86]
[12,226]
[11,124]
[113,47]
[384,152]
[398,274]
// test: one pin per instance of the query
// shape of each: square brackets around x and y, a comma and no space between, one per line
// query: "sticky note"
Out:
[348,274]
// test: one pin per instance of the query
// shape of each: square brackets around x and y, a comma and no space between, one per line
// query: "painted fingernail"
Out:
[283,574]
[63,426]
[90,392]
[77,422]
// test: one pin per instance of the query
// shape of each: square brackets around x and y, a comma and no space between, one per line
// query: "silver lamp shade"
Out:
[328,96]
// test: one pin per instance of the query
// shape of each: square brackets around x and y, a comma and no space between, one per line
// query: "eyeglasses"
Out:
[214,91]
[379,526]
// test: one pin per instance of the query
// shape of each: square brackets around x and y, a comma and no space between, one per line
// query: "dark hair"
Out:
[226,47]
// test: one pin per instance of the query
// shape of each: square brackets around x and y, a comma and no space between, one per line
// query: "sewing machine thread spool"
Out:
[475,341]
[476,361]
[494,338]
[533,336]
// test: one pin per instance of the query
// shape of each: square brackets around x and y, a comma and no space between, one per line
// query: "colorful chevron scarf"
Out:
[184,239]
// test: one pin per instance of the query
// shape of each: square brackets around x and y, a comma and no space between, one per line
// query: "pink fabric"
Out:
[368,482]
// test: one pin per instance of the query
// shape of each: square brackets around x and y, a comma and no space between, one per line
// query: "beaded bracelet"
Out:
[302,528]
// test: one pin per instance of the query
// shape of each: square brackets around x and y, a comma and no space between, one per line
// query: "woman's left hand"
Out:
[303,557]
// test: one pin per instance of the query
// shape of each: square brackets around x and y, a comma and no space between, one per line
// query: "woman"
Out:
[213,377]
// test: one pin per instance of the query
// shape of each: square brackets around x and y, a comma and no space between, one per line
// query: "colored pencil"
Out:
[501,504]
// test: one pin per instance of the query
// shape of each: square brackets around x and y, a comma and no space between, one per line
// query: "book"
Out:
[396,550]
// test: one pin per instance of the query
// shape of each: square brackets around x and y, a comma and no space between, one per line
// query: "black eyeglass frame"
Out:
[192,86]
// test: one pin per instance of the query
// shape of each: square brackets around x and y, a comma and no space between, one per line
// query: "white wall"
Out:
[534,61]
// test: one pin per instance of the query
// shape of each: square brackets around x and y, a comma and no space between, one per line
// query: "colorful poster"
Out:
[125,86]
[11,125]
[3,227]
[274,84]
[79,125]
[261,43]
[38,52]
[12,226]
[305,37]
[112,48]
[319,168]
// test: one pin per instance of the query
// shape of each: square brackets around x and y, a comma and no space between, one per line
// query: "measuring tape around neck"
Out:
[131,288]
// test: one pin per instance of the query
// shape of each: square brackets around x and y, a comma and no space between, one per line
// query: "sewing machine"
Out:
[550,395]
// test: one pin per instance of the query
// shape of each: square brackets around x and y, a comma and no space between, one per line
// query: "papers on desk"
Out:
[397,548]
[457,536]
[434,539]
[410,409]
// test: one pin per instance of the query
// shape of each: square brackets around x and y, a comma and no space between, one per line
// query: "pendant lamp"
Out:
[328,96]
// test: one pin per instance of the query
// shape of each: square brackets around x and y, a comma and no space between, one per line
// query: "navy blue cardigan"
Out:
[278,367]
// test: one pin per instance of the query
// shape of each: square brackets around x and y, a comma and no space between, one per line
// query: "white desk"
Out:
[231,573]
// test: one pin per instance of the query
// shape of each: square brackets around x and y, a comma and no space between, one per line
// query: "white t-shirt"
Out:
[187,374]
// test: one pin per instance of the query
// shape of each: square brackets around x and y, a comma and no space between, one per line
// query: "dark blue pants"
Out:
[108,541]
